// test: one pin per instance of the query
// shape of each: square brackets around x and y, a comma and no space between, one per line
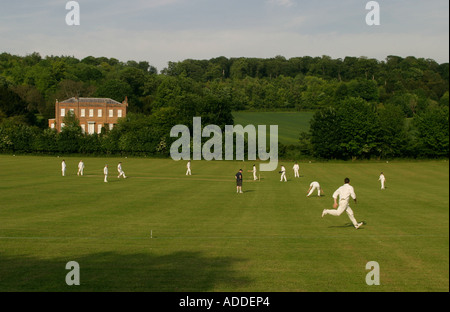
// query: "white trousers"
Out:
[254,176]
[296,174]
[382,184]
[188,172]
[106,178]
[343,206]
[313,189]
[122,174]
[283,177]
[80,172]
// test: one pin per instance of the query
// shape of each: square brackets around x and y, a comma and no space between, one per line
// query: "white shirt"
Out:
[254,168]
[119,167]
[345,192]
[105,170]
[63,165]
[382,178]
[189,164]
[80,165]
[296,167]
[315,184]
[283,169]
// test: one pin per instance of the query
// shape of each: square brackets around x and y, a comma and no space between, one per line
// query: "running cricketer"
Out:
[345,192]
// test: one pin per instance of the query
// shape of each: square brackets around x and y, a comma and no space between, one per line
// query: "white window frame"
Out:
[83,112]
[91,112]
[91,127]
[83,128]
[119,113]
[99,128]
[99,112]
[63,112]
[111,113]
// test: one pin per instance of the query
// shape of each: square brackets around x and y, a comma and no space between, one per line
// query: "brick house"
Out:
[93,113]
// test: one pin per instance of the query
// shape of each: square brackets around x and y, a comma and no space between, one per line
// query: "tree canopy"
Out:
[365,100]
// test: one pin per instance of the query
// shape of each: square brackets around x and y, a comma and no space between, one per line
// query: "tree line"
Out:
[401,97]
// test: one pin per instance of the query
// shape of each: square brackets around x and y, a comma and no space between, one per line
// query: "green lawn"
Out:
[290,124]
[159,230]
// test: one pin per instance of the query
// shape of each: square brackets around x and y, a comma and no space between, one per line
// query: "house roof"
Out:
[90,100]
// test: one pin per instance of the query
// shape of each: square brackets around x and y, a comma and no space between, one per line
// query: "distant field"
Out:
[160,230]
[290,124]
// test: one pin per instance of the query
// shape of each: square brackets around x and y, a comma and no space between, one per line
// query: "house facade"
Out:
[93,113]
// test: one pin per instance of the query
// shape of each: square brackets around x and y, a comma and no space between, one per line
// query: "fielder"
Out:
[344,193]
[254,173]
[382,179]
[105,172]
[283,174]
[80,168]
[314,186]
[63,168]
[296,169]
[121,173]
[188,166]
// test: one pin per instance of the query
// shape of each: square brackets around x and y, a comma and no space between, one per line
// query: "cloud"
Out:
[283,3]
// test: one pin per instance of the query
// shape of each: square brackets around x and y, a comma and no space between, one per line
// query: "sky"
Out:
[159,31]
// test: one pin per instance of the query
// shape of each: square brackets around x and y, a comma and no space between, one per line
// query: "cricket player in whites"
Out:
[254,173]
[63,168]
[344,193]
[314,186]
[283,174]
[80,168]
[121,173]
[296,169]
[188,166]
[382,179]
[105,172]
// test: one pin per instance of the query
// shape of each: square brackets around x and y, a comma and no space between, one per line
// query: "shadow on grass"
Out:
[347,225]
[110,271]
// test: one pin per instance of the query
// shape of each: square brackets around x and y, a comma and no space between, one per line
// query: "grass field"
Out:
[290,124]
[159,230]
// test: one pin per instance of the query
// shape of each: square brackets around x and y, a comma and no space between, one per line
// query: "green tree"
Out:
[69,138]
[394,136]
[432,131]
[114,89]
[349,131]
